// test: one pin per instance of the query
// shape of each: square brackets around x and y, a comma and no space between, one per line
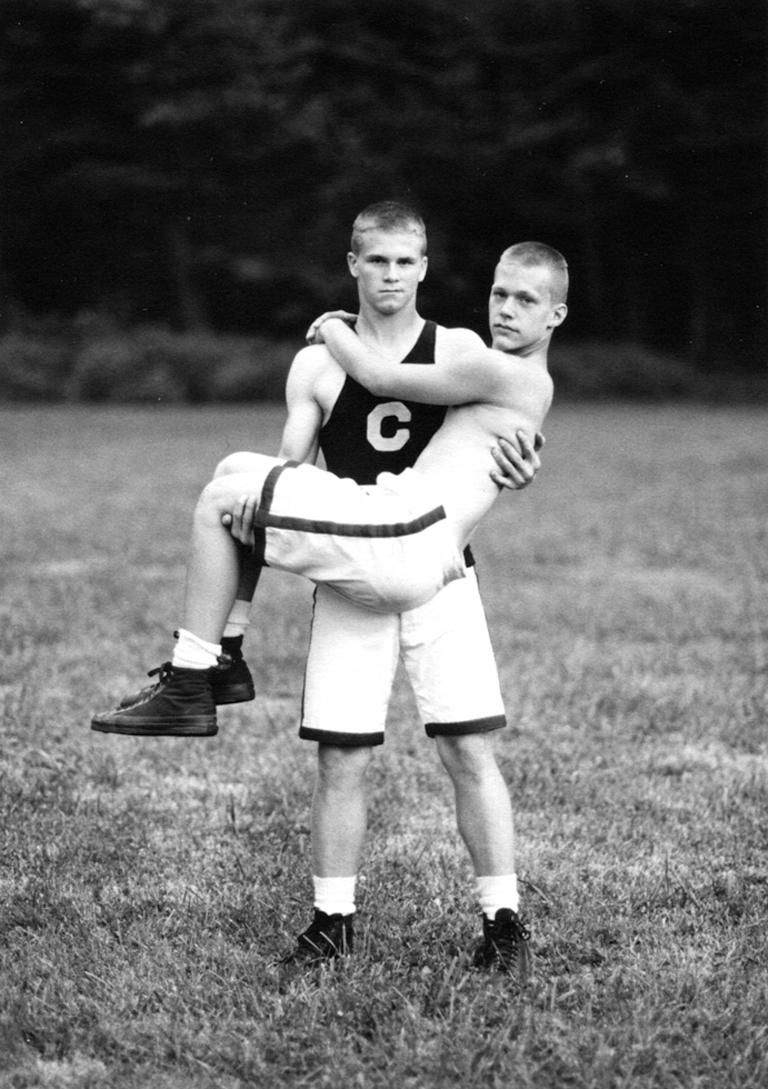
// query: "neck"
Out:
[388,331]
[535,353]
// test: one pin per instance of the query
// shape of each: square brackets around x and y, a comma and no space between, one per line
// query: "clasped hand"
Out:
[240,521]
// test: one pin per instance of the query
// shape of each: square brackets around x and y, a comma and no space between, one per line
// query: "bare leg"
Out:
[213,571]
[250,568]
[483,807]
[339,810]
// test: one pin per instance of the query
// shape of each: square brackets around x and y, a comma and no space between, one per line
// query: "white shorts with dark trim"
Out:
[446,651]
[386,547]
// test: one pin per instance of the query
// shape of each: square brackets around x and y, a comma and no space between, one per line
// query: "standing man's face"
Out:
[388,269]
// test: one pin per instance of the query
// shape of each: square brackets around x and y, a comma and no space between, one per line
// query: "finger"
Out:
[526,446]
[226,520]
[510,481]
[507,454]
[529,451]
[239,518]
[250,506]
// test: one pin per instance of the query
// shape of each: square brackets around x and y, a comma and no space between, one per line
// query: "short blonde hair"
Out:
[537,253]
[387,215]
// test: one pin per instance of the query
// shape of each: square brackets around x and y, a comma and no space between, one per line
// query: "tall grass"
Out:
[148,887]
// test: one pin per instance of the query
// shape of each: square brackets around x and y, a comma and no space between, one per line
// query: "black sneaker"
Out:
[179,705]
[231,682]
[233,685]
[505,945]
[327,937]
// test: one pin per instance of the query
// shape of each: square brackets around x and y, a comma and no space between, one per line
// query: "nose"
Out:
[392,272]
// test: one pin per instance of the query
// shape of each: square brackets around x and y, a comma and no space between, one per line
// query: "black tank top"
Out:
[367,435]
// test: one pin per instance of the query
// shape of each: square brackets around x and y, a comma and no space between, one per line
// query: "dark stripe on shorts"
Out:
[265,518]
[267,496]
[469,726]
[343,740]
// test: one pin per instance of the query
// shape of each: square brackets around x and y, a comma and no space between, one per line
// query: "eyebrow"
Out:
[381,257]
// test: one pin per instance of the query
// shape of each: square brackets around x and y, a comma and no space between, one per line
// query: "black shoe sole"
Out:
[197,726]
[234,693]
[521,969]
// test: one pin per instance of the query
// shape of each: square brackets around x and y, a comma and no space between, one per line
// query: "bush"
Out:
[33,367]
[94,361]
[155,364]
[141,365]
[597,370]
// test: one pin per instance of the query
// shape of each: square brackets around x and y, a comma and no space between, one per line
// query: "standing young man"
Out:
[353,652]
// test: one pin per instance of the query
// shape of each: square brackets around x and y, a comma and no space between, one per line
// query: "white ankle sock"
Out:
[193,653]
[497,891]
[335,895]
[238,620]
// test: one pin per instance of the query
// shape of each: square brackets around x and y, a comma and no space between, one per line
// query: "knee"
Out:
[214,499]
[467,757]
[341,767]
[239,462]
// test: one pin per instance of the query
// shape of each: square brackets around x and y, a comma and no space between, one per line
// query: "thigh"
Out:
[351,664]
[450,663]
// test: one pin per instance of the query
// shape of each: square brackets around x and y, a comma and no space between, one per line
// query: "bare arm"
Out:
[515,456]
[300,439]
[459,377]
[301,431]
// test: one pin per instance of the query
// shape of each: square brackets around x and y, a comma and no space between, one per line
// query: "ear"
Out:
[424,262]
[352,264]
[558,315]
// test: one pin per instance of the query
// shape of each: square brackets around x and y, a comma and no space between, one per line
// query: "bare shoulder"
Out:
[459,341]
[312,357]
[527,382]
[315,376]
[312,362]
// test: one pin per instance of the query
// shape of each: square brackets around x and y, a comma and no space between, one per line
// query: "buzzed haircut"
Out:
[538,253]
[387,215]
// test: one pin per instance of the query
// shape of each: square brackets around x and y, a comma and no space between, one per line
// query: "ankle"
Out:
[233,646]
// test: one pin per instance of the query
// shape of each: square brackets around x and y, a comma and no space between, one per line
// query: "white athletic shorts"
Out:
[353,654]
[386,547]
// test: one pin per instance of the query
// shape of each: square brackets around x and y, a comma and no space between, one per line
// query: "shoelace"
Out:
[164,671]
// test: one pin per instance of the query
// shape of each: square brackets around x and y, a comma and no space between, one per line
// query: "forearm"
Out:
[360,362]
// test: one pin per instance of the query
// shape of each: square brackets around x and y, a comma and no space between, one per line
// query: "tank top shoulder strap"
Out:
[423,350]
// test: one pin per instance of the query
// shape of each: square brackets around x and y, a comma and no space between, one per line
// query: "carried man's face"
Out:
[521,312]
[389,269]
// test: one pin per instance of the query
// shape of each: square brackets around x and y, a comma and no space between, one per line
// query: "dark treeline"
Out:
[199,162]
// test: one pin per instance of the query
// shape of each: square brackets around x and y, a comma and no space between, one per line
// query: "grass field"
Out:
[148,887]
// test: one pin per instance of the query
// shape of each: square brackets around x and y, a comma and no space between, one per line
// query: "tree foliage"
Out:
[200,161]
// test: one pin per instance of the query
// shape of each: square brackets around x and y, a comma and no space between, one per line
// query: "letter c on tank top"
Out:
[383,437]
